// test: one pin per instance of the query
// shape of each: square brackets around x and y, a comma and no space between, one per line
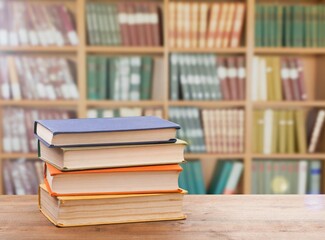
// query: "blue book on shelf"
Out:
[105,131]
[222,179]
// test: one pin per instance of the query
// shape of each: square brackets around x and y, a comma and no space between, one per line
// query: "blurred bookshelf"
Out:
[313,58]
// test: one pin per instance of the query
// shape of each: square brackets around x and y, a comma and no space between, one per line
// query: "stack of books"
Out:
[110,170]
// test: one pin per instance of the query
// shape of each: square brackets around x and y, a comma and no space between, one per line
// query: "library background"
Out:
[244,79]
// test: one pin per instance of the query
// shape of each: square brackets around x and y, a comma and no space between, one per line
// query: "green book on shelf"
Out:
[189,178]
[265,26]
[308,26]
[224,177]
[288,26]
[271,26]
[146,78]
[258,26]
[182,178]
[92,71]
[101,23]
[216,176]
[90,24]
[196,167]
[279,16]
[95,24]
[115,24]
[267,166]
[102,78]
[314,25]
[113,94]
[107,30]
[173,87]
[135,75]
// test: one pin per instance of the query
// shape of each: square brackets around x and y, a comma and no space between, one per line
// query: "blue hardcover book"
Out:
[105,131]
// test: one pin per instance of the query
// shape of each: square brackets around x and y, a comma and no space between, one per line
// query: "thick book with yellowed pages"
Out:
[146,179]
[71,211]
[81,158]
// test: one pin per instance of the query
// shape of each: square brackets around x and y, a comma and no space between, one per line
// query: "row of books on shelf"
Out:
[123,78]
[125,112]
[278,78]
[46,78]
[211,131]
[124,23]
[287,131]
[33,24]
[18,128]
[225,179]
[207,77]
[201,24]
[289,25]
[22,176]
[286,177]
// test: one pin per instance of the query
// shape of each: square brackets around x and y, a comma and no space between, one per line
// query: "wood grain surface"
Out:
[209,217]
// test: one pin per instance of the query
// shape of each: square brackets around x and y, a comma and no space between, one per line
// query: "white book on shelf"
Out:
[255,80]
[302,176]
[316,131]
[92,113]
[268,131]
[262,89]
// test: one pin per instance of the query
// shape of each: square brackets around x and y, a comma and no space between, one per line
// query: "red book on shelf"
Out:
[123,22]
[213,24]
[301,78]
[238,24]
[172,24]
[222,74]
[241,76]
[68,25]
[285,78]
[147,28]
[139,23]
[228,25]
[187,26]
[132,24]
[294,75]
[154,22]
[232,77]
[194,24]
[220,32]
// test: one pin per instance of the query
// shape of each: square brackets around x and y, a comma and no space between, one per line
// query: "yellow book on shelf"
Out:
[260,127]
[255,146]
[275,139]
[282,128]
[269,79]
[291,132]
[300,131]
[277,79]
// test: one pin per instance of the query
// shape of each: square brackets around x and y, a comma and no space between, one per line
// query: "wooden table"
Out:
[209,217]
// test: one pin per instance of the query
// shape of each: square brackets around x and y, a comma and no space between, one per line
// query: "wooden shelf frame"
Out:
[81,106]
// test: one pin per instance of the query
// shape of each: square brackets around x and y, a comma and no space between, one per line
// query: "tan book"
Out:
[260,137]
[238,24]
[203,24]
[14,81]
[172,24]
[228,25]
[316,131]
[67,159]
[179,24]
[255,132]
[300,131]
[222,25]
[194,24]
[213,24]
[67,211]
[187,25]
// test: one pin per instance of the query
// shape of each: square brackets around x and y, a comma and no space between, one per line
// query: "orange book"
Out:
[203,24]
[147,179]
[228,25]
[237,25]
[187,25]
[213,24]
[221,25]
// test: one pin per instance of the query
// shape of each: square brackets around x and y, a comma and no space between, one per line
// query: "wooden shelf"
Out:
[39,49]
[316,156]
[286,104]
[209,50]
[110,103]
[39,103]
[284,50]
[18,155]
[127,50]
[207,104]
[214,155]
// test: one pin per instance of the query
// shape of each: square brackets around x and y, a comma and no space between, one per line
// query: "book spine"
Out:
[238,25]
[203,24]
[316,131]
